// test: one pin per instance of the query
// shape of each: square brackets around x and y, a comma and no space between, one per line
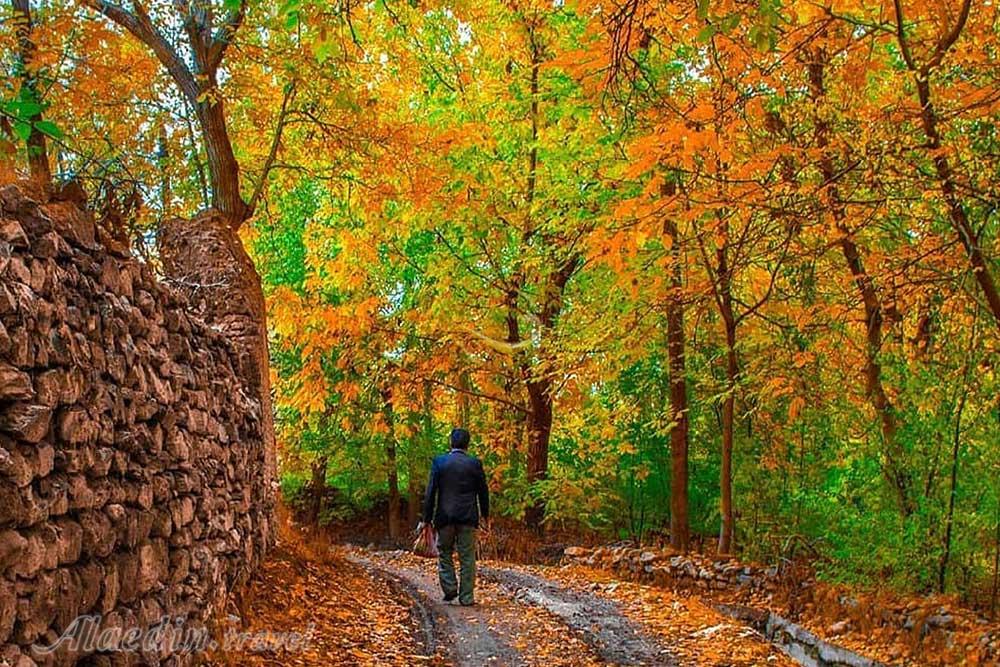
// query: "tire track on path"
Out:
[520,619]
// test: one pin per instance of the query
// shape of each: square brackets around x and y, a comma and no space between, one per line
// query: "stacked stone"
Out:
[131,458]
[676,570]
[760,586]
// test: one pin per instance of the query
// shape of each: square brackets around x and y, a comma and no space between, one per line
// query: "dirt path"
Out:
[617,639]
[520,619]
[462,635]
[541,616]
[698,634]
[366,607]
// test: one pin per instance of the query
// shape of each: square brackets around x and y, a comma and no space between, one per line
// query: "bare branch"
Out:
[279,128]
[947,41]
[472,392]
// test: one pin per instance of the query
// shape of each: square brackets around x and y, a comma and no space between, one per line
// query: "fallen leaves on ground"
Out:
[539,637]
[352,617]
[697,633]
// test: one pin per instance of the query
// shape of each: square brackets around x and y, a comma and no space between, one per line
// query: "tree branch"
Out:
[949,40]
[501,346]
[140,25]
[904,47]
[224,34]
[477,394]
[279,128]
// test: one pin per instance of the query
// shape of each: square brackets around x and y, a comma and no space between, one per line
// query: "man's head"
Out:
[459,438]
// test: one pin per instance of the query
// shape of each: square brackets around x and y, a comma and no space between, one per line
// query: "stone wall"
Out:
[131,457]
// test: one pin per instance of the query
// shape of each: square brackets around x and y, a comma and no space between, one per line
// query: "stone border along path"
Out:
[798,643]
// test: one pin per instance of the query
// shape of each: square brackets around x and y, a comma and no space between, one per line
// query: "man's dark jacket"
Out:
[457,483]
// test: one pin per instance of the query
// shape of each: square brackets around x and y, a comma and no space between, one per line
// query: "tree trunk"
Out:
[195,154]
[417,471]
[540,386]
[392,470]
[722,287]
[894,468]
[679,529]
[539,431]
[728,526]
[205,258]
[956,210]
[955,450]
[223,170]
[929,120]
[995,596]
[317,489]
[38,157]
[952,493]
[8,151]
[464,406]
[539,415]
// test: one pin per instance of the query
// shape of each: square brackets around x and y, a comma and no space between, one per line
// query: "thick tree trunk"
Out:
[205,258]
[679,529]
[540,389]
[38,156]
[539,415]
[223,170]
[539,431]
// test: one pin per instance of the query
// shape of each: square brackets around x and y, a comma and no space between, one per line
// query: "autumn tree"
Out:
[686,271]
[207,250]
[923,70]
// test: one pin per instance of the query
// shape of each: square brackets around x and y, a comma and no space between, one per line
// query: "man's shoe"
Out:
[448,597]
[468,604]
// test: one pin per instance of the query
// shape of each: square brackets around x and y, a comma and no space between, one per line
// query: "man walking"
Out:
[457,495]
